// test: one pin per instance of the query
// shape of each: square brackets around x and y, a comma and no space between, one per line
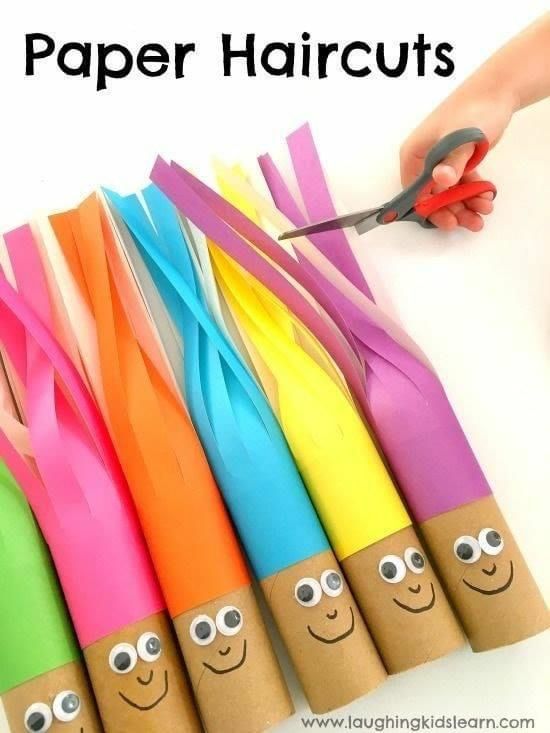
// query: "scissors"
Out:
[416,202]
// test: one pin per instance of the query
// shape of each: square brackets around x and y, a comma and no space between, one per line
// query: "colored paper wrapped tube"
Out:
[325,635]
[359,506]
[82,504]
[235,675]
[42,677]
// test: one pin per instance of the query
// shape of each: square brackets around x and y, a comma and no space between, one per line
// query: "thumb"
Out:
[450,171]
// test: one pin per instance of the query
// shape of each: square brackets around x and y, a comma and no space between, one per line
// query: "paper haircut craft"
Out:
[233,669]
[80,499]
[360,508]
[43,685]
[314,610]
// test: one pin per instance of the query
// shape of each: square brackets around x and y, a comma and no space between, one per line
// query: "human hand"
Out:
[464,108]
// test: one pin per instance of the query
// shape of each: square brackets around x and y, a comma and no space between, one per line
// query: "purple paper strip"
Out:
[406,404]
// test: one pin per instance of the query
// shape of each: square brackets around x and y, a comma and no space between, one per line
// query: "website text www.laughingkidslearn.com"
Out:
[417,723]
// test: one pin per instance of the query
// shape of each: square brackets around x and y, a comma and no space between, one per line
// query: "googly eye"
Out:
[491,541]
[149,647]
[66,706]
[202,630]
[229,620]
[308,592]
[415,560]
[392,569]
[123,658]
[467,549]
[38,718]
[332,583]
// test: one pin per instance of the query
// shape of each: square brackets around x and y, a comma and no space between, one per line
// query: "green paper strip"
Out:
[36,635]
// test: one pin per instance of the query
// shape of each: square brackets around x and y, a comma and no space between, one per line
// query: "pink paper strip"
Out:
[84,508]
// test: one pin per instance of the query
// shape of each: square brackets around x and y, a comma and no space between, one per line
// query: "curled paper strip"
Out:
[262,488]
[101,529]
[421,437]
[192,542]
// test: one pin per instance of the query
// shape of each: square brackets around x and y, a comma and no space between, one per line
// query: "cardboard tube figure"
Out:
[235,675]
[315,612]
[85,512]
[43,683]
[367,524]
[478,559]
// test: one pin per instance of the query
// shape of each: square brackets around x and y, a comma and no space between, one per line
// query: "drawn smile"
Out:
[494,591]
[228,669]
[335,639]
[420,609]
[152,705]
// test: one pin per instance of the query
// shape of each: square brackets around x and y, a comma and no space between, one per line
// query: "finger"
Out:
[450,171]
[464,217]
[480,205]
[456,208]
[444,219]
[470,220]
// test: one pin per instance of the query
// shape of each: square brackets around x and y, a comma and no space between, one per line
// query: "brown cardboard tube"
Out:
[237,680]
[154,697]
[496,597]
[44,689]
[331,650]
[411,621]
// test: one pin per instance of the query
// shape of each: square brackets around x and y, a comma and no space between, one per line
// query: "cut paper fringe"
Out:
[83,505]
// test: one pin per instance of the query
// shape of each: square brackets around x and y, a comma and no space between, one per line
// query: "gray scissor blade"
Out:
[368,223]
[338,222]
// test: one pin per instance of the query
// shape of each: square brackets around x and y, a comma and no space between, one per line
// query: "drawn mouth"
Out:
[336,639]
[228,669]
[420,609]
[494,591]
[152,705]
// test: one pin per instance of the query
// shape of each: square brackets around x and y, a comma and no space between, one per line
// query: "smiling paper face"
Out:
[403,601]
[324,632]
[227,651]
[139,681]
[486,575]
[58,701]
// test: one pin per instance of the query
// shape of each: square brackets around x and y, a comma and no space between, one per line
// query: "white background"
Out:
[479,305]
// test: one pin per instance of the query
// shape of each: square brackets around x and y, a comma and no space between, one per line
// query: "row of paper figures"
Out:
[185,405]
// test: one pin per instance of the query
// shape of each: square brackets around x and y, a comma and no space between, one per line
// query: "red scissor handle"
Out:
[461,192]
[480,151]
[428,203]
